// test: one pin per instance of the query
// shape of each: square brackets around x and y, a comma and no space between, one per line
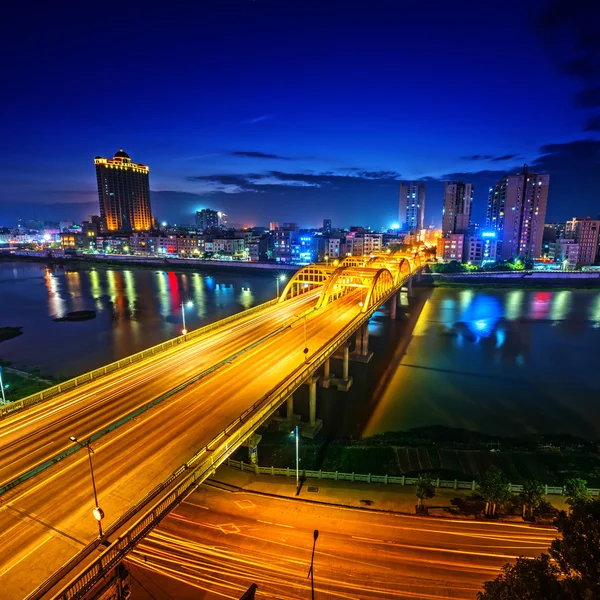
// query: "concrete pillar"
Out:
[358,341]
[327,368]
[393,306]
[346,358]
[290,407]
[364,335]
[409,288]
[252,443]
[313,401]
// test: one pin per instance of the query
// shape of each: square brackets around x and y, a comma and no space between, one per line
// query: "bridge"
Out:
[161,422]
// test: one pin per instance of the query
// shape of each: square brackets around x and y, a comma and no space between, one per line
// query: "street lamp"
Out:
[97,512]
[295,432]
[188,304]
[280,278]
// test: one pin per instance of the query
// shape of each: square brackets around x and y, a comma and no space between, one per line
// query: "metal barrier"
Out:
[53,391]
[387,479]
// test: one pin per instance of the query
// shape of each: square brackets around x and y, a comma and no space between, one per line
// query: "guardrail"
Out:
[386,479]
[53,391]
[229,440]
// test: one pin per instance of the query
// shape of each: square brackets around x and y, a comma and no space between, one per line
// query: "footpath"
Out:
[391,498]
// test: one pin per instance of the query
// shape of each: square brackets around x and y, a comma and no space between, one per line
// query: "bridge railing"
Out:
[386,479]
[65,386]
[228,441]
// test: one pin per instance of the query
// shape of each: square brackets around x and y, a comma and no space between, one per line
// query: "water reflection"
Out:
[505,362]
[56,303]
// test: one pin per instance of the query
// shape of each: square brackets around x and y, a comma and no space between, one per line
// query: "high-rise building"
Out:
[516,211]
[123,193]
[412,206]
[458,198]
[326,225]
[207,219]
[585,233]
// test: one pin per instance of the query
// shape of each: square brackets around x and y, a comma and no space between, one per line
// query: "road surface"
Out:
[217,543]
[47,520]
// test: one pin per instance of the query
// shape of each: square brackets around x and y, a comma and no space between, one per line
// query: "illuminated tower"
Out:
[458,198]
[124,193]
[516,210]
[411,206]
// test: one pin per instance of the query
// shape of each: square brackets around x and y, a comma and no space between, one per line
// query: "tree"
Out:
[425,489]
[576,491]
[494,489]
[577,549]
[532,496]
[575,572]
[527,579]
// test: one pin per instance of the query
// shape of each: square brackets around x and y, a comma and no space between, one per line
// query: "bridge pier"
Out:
[326,379]
[290,420]
[252,443]
[393,306]
[344,382]
[310,429]
[361,348]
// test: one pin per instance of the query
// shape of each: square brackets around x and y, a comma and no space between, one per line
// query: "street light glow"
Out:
[189,304]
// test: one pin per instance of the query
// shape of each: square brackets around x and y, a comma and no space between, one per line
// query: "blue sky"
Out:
[299,111]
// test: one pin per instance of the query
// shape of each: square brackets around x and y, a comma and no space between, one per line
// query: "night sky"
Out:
[298,111]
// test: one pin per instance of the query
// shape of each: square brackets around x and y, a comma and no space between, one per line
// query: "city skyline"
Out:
[304,137]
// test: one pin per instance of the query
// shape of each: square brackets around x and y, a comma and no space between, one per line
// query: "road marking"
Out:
[14,564]
[229,528]
[276,524]
[245,504]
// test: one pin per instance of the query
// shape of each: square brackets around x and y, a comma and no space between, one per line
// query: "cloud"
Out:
[259,155]
[491,157]
[259,119]
[593,124]
[588,98]
[504,157]
[477,157]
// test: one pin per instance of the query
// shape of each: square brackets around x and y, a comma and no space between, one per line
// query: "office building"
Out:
[207,219]
[516,211]
[451,247]
[584,232]
[458,198]
[412,206]
[566,252]
[123,193]
[481,250]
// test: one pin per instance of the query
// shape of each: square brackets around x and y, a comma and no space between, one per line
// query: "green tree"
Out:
[494,489]
[532,496]
[527,579]
[575,572]
[576,491]
[425,489]
[577,549]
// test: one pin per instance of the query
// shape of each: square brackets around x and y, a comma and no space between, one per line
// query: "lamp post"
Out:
[189,304]
[97,512]
[279,278]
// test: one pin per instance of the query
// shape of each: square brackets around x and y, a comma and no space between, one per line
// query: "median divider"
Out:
[64,386]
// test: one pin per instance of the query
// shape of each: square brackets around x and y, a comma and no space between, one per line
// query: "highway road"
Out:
[217,543]
[47,520]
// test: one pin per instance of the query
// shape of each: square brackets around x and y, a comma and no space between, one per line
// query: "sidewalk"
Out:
[374,496]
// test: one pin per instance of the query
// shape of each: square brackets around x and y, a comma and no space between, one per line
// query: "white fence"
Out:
[386,479]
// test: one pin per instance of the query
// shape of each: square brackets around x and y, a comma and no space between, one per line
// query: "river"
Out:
[499,361]
[135,309]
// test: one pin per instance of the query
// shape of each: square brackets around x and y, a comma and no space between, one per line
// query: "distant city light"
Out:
[396,226]
[488,234]
[164,223]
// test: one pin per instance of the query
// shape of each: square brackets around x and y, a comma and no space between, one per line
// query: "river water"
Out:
[135,309]
[499,361]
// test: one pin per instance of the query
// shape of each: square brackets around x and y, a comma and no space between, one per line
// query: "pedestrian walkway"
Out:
[374,496]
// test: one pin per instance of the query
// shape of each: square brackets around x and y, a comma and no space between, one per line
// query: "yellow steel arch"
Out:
[382,284]
[416,262]
[342,280]
[306,279]
[354,261]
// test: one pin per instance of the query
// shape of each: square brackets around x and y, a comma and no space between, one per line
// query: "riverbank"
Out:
[521,279]
[150,262]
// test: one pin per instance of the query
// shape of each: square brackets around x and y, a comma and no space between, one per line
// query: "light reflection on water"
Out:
[506,362]
[135,309]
